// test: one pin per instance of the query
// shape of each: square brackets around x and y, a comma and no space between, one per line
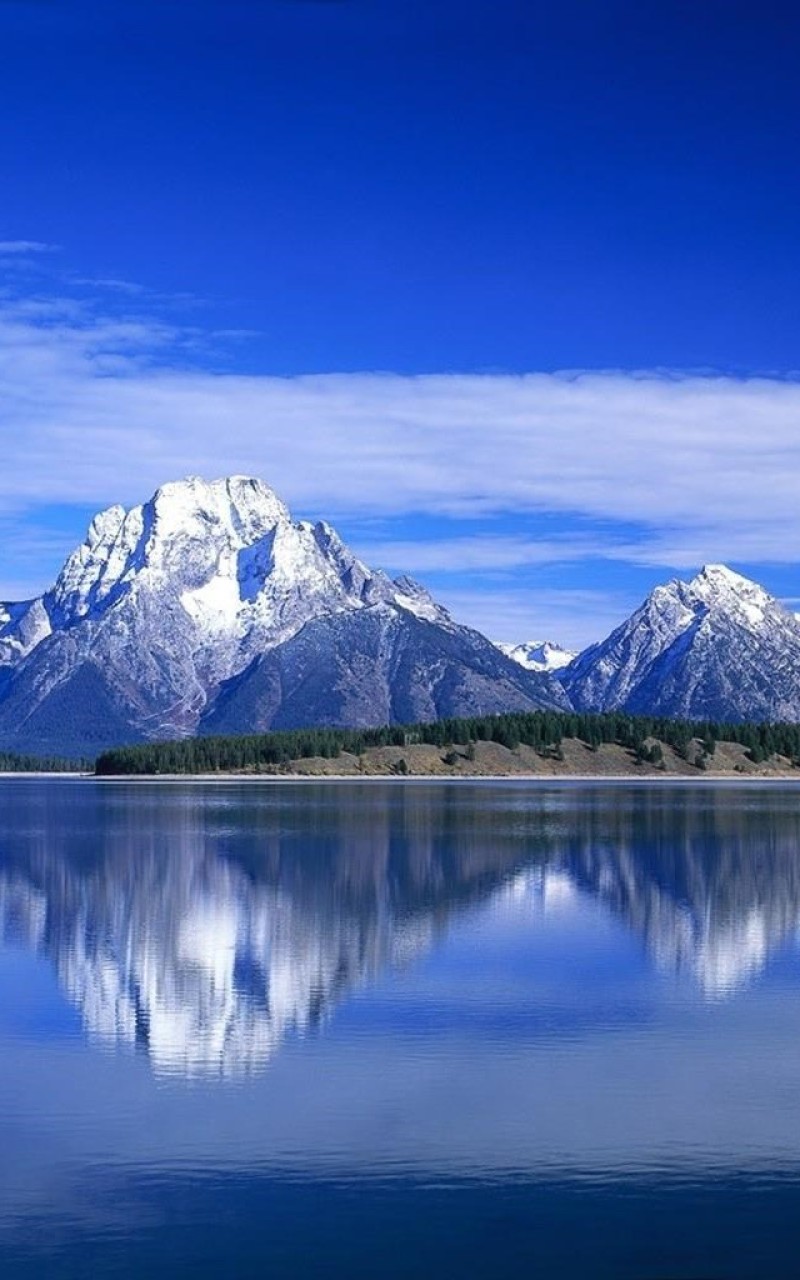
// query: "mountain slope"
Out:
[718,646]
[168,605]
[382,666]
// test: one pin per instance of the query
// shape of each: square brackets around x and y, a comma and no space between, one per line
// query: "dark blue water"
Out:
[418,1029]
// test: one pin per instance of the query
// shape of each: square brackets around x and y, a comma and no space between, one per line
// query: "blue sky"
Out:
[508,291]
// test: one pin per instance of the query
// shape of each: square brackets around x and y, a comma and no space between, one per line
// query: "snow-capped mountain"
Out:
[538,655]
[718,646]
[173,604]
[209,609]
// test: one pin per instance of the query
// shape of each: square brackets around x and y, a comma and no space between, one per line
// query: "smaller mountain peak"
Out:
[105,526]
[539,655]
[324,533]
[416,599]
[410,587]
[722,590]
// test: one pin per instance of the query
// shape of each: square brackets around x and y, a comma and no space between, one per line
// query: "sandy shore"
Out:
[263,779]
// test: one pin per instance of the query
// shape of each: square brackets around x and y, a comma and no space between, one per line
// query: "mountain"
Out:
[209,609]
[538,655]
[718,646]
[209,606]
[382,666]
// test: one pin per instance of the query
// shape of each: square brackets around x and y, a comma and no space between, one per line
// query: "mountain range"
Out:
[209,609]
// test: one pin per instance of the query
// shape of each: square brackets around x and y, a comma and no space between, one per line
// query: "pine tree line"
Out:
[544,731]
[10,762]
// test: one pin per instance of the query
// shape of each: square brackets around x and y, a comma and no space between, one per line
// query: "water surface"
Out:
[399,1029]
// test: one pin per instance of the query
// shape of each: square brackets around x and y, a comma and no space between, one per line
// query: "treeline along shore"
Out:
[530,743]
[12,762]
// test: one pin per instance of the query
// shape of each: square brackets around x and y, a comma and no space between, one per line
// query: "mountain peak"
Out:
[719,587]
[718,646]
[180,605]
[720,577]
[105,525]
[538,655]
[245,504]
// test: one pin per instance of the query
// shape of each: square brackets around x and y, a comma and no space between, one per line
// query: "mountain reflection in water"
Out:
[206,928]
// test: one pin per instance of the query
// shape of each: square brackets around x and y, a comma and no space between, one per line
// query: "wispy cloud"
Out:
[477,552]
[128,287]
[692,459]
[12,247]
[574,618]
[652,468]
[129,290]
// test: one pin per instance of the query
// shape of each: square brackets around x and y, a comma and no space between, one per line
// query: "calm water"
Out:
[399,1030]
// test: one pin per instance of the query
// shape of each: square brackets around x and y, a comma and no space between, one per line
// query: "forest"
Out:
[10,762]
[542,730]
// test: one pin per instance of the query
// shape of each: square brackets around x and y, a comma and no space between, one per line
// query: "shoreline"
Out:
[482,760]
[540,779]
[489,762]
[45,773]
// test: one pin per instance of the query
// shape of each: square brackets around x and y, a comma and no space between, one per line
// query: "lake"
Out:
[399,1029]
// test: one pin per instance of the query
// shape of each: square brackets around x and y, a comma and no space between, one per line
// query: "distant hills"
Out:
[209,610]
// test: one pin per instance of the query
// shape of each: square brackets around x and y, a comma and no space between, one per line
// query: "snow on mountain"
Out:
[538,655]
[166,604]
[229,554]
[209,608]
[718,646]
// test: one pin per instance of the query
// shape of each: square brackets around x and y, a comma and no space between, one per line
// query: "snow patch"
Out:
[538,655]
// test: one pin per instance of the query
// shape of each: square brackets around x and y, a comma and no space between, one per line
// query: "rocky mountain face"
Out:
[718,646]
[539,655]
[208,607]
[380,666]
